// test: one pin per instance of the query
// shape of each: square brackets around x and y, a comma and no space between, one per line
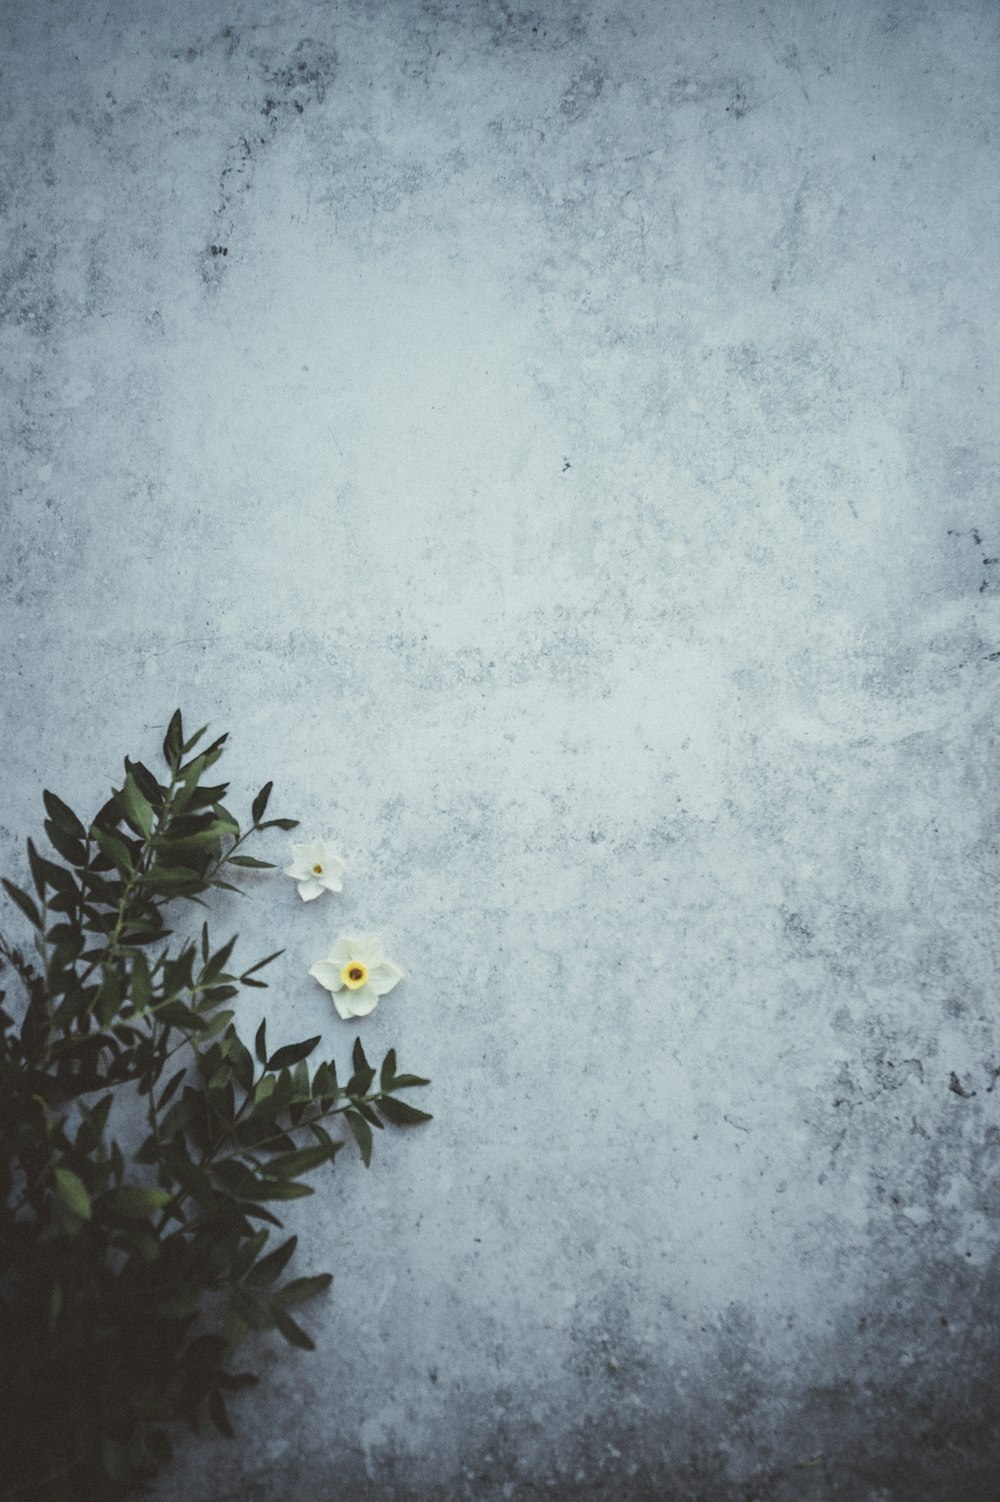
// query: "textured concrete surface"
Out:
[560,445]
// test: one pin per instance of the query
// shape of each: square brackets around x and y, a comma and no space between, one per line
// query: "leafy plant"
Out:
[129,1276]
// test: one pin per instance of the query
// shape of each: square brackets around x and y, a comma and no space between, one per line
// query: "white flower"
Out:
[315,870]
[356,975]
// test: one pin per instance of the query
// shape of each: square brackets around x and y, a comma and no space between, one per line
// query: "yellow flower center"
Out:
[354,975]
[317,869]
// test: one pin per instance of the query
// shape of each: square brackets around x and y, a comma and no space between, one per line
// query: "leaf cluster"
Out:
[130,1274]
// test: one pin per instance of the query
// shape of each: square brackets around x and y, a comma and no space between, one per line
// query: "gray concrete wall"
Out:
[560,446]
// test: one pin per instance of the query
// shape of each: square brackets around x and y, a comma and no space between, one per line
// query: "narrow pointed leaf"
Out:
[37,871]
[293,1333]
[63,816]
[273,1265]
[23,901]
[292,1053]
[260,802]
[362,1135]
[261,963]
[173,741]
[402,1114]
[138,809]
[73,1194]
[299,1290]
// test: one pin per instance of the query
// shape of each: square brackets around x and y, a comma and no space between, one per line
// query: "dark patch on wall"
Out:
[288,88]
[27,295]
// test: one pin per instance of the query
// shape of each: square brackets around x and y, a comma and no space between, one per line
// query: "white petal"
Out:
[384,977]
[361,1002]
[303,856]
[310,889]
[327,974]
[333,877]
[342,1001]
[341,952]
[368,949]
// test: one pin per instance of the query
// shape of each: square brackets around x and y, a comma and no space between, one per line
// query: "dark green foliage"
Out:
[128,1278]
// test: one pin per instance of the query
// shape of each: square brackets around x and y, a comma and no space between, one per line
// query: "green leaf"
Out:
[251,862]
[71,1191]
[205,797]
[63,816]
[361,1083]
[278,1189]
[115,850]
[234,1330]
[217,963]
[289,1165]
[110,995]
[369,1114]
[133,1202]
[260,802]
[388,1071]
[358,1057]
[260,1042]
[253,1308]
[362,1135]
[242,1063]
[293,1333]
[176,1014]
[138,809]
[147,784]
[261,963]
[324,1085]
[407,1081]
[69,848]
[178,973]
[274,1264]
[173,742]
[299,1290]
[171,1087]
[190,744]
[292,1053]
[323,1136]
[172,879]
[221,1077]
[200,837]
[247,1255]
[279,824]
[23,901]
[37,874]
[264,1089]
[61,880]
[221,991]
[142,989]
[399,1112]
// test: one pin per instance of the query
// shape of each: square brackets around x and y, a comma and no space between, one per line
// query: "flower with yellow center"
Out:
[356,975]
[315,870]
